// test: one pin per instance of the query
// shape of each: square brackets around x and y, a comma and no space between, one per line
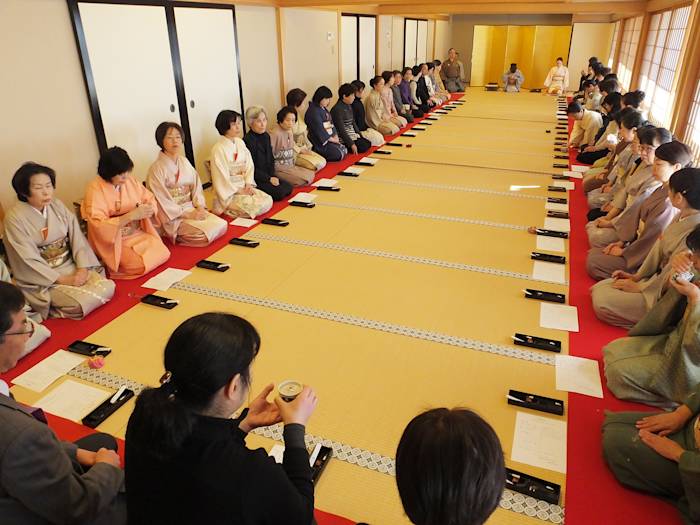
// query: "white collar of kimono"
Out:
[44,212]
[4,388]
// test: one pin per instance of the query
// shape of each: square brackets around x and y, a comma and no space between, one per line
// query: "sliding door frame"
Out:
[169,6]
[404,39]
[357,17]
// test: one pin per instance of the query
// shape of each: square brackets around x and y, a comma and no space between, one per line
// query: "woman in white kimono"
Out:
[51,260]
[176,186]
[39,333]
[305,157]
[232,172]
[557,81]
[627,297]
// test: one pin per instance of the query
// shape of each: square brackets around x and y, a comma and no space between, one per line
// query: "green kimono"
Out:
[658,363]
[639,467]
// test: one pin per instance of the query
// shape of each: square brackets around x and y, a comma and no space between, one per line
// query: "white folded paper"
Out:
[555,206]
[580,169]
[577,374]
[45,372]
[72,400]
[539,441]
[560,225]
[242,221]
[550,244]
[166,279]
[567,184]
[550,272]
[354,169]
[559,317]
[303,197]
[325,183]
[573,174]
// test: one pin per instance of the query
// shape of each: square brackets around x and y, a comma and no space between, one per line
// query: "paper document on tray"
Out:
[540,442]
[45,372]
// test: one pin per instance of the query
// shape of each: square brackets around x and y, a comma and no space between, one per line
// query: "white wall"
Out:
[257,41]
[589,40]
[384,28]
[443,38]
[310,49]
[45,115]
[430,51]
[397,42]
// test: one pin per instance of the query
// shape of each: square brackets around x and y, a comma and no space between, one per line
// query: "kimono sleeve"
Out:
[83,255]
[156,182]
[25,259]
[220,175]
[689,468]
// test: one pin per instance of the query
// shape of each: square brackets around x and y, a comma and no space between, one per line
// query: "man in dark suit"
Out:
[44,480]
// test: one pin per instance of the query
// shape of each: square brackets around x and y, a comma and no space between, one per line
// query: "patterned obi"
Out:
[285,157]
[56,253]
[181,194]
[130,228]
[557,78]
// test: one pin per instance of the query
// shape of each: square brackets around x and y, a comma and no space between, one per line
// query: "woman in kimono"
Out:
[513,79]
[601,232]
[52,261]
[322,133]
[232,172]
[405,89]
[601,148]
[403,110]
[119,211]
[647,216]
[625,298]
[282,139]
[377,116]
[258,142]
[305,157]
[358,111]
[39,333]
[388,100]
[424,85]
[439,85]
[557,81]
[658,454]
[418,92]
[176,185]
[658,363]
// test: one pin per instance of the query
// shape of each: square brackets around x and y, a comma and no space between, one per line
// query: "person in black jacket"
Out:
[344,121]
[358,111]
[187,461]
[258,141]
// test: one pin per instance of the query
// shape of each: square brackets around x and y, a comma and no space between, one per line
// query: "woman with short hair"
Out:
[233,172]
[282,139]
[120,213]
[182,211]
[360,115]
[187,460]
[258,141]
[51,260]
[322,133]
[305,156]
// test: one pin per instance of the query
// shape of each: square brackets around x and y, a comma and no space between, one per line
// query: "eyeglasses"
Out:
[28,329]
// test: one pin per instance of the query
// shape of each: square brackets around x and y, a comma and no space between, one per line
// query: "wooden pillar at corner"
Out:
[280,55]
[639,57]
[618,44]
[688,75]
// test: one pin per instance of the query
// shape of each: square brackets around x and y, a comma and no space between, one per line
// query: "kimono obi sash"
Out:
[56,253]
[181,194]
[511,80]
[236,168]
[130,228]
[328,126]
[558,78]
[285,157]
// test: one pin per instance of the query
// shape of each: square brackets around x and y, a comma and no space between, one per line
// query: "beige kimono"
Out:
[305,157]
[283,151]
[42,246]
[377,117]
[231,170]
[178,190]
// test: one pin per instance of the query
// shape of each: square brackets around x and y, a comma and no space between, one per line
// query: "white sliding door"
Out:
[349,58]
[129,53]
[210,73]
[410,57]
[368,47]
[422,41]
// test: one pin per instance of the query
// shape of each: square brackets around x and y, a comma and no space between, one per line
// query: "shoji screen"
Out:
[628,49]
[368,47]
[359,47]
[422,41]
[349,58]
[692,132]
[410,39]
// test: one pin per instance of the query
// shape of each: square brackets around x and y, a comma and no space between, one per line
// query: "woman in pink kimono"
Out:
[52,261]
[119,211]
[176,185]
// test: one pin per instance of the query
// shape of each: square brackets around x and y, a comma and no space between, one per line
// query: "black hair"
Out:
[610,76]
[224,120]
[692,241]
[387,75]
[406,70]
[592,61]
[609,86]
[437,62]
[345,90]
[633,98]
[396,72]
[687,182]
[113,162]
[162,131]
[373,82]
[358,85]
[560,58]
[588,83]
[22,178]
[321,93]
[613,99]
[449,468]
[574,107]
[415,70]
[631,118]
[599,69]
[675,152]
[655,136]
[11,302]
[295,97]
[282,113]
[202,356]
[430,65]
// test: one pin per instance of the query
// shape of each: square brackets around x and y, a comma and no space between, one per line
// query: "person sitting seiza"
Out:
[344,121]
[51,260]
[282,139]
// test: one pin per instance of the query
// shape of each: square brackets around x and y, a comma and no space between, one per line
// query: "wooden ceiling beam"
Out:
[626,8]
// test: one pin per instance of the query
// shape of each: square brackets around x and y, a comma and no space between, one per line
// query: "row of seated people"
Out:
[644,236]
[64,275]
[186,459]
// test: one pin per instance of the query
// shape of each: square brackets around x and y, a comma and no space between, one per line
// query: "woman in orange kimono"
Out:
[119,210]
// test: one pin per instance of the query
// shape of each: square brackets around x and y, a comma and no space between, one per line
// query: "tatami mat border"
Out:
[394,256]
[416,333]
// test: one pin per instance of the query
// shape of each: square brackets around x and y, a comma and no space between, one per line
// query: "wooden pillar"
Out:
[280,54]
[618,44]
[639,57]
[688,75]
